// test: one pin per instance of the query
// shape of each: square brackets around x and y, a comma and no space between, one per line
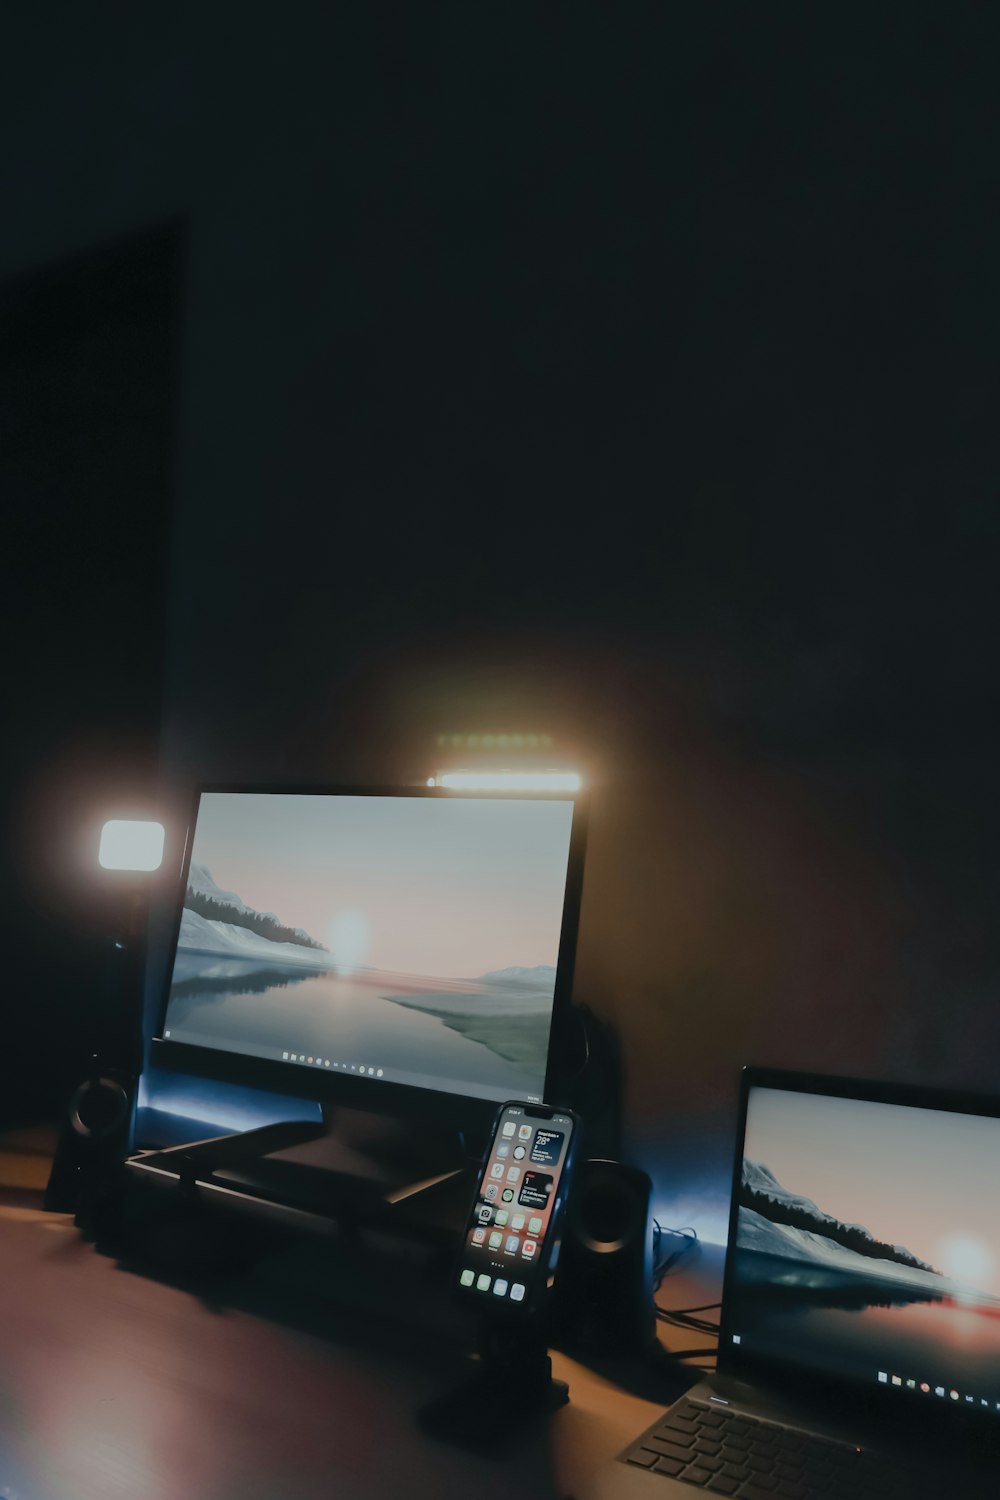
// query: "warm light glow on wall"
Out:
[508,781]
[130,845]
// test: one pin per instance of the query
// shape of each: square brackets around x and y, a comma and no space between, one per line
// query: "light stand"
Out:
[95,1134]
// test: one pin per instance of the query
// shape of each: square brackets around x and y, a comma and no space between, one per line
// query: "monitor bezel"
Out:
[397,1100]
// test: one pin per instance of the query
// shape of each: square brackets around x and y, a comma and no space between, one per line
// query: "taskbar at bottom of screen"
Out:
[369,1069]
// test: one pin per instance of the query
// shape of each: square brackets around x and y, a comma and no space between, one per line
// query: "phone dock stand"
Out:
[511,1386]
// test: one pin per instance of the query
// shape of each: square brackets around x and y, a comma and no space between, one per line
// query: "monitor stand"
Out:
[351,1168]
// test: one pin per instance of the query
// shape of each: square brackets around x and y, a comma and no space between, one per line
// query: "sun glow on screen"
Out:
[349,938]
[967,1258]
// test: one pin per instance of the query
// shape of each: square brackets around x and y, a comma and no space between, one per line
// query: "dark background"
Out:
[626,375]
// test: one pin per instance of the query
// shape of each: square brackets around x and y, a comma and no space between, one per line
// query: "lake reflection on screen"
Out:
[495,1037]
[844,1329]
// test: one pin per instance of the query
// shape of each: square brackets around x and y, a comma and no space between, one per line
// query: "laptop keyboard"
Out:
[727,1453]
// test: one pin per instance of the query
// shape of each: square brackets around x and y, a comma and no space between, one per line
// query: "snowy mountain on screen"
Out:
[760,1179]
[199,935]
[754,1232]
[208,935]
[200,880]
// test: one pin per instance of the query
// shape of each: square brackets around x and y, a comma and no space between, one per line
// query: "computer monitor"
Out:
[407,951]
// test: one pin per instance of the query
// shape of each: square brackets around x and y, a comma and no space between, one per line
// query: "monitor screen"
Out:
[416,939]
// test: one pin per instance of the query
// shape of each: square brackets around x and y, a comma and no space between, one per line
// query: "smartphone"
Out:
[511,1241]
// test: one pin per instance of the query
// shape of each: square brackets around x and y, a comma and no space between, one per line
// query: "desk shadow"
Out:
[376,1296]
[657,1376]
[381,1299]
[22,1197]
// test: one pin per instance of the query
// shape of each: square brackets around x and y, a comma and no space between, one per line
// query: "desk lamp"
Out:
[94,1138]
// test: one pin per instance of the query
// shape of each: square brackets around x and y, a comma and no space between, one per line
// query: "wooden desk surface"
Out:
[299,1379]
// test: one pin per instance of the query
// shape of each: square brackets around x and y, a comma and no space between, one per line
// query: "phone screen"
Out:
[508,1239]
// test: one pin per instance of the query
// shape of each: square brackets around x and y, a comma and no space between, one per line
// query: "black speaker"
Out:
[93,1143]
[589,1072]
[603,1292]
[96,1131]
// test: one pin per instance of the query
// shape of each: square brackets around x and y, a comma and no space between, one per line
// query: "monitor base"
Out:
[351,1169]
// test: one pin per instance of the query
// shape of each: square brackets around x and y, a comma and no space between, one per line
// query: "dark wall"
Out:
[632,385]
[88,376]
[626,376]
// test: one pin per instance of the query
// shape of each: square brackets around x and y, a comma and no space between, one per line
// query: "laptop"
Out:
[859,1342]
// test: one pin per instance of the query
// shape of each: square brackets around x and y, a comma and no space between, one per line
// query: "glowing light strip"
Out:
[508,781]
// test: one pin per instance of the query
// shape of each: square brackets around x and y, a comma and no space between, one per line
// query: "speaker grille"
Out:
[99,1107]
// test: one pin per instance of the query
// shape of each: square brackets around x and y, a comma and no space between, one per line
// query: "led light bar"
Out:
[508,781]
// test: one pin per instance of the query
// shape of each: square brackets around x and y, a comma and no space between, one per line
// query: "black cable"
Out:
[687,1322]
[679,1317]
[683,1317]
[661,1267]
[707,1328]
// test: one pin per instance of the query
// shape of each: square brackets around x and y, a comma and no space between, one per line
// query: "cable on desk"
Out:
[680,1317]
[661,1265]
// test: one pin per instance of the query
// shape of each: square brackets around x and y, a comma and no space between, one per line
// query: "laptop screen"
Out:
[865,1244]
